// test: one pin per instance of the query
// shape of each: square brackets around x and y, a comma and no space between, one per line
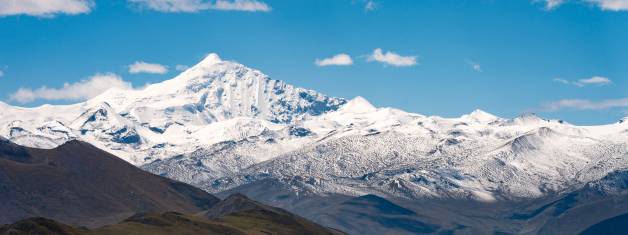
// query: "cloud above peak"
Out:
[391,58]
[44,8]
[201,5]
[143,67]
[340,59]
[82,90]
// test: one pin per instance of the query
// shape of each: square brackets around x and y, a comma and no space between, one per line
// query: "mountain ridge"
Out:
[226,128]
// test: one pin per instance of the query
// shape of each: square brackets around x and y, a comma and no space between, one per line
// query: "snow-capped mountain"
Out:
[197,108]
[360,149]
[224,127]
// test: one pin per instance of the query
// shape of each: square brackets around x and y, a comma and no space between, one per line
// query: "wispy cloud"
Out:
[611,5]
[44,8]
[582,104]
[81,90]
[595,80]
[474,65]
[201,5]
[143,67]
[181,67]
[370,5]
[551,4]
[391,58]
[560,80]
[241,5]
[607,5]
[340,59]
[1,73]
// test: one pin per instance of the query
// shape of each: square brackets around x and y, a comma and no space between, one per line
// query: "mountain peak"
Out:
[358,105]
[217,90]
[210,59]
[527,119]
[480,116]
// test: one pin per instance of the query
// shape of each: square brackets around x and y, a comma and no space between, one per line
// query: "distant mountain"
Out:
[235,215]
[79,184]
[226,128]
[370,214]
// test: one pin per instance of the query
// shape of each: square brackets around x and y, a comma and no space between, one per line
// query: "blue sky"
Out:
[561,59]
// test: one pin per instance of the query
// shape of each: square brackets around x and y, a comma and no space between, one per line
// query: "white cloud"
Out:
[143,67]
[611,5]
[370,5]
[82,90]
[474,65]
[181,67]
[595,80]
[551,4]
[607,5]
[1,73]
[340,59]
[391,58]
[560,80]
[241,5]
[580,104]
[44,8]
[201,5]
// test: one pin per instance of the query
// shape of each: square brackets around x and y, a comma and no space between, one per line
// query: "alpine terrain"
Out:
[227,128]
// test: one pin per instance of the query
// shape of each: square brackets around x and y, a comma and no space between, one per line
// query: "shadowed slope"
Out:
[166,223]
[370,214]
[79,184]
[39,226]
[236,215]
[257,218]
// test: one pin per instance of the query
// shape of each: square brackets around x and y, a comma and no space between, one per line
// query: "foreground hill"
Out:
[236,215]
[79,184]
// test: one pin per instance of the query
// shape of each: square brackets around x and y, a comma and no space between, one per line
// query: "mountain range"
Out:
[227,128]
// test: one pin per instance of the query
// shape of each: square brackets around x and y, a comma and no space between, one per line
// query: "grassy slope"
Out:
[246,222]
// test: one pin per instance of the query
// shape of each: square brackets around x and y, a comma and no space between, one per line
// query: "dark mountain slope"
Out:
[256,218]
[79,184]
[236,215]
[38,226]
[166,224]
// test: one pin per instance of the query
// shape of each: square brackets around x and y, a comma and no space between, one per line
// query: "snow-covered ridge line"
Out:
[131,123]
[212,68]
[135,123]
[220,125]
